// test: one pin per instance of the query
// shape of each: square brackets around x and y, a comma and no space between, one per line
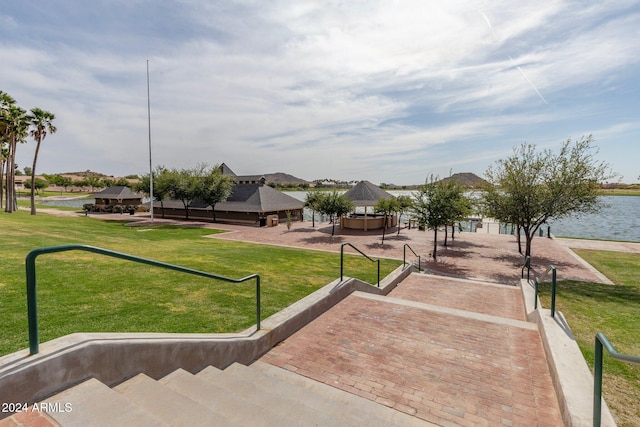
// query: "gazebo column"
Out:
[365,218]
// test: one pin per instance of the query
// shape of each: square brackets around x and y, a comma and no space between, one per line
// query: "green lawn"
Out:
[615,311]
[85,292]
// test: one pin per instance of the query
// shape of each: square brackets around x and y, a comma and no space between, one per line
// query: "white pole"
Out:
[150,163]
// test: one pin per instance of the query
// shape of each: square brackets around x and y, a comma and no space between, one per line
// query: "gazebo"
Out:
[118,197]
[366,195]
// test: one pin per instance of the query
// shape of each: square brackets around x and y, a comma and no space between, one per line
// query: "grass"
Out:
[84,292]
[615,311]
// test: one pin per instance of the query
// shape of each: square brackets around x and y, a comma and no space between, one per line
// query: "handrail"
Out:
[527,265]
[553,288]
[601,340]
[32,309]
[361,253]
[404,256]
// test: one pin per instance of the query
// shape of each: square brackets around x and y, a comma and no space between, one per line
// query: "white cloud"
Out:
[324,88]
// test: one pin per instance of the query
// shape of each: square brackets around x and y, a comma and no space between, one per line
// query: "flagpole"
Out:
[150,163]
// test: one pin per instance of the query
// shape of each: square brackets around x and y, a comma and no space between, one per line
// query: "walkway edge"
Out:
[571,376]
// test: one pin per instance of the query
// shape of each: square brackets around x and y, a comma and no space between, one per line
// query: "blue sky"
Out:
[388,91]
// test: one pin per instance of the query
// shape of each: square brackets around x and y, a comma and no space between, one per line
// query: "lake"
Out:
[619,219]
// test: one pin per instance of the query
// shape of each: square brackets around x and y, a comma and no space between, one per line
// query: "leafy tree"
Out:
[39,184]
[458,204]
[41,123]
[314,201]
[27,170]
[214,186]
[438,204]
[530,188]
[387,207]
[405,203]
[335,204]
[184,185]
[162,181]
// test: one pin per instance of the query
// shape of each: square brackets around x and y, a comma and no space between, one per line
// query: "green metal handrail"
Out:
[361,253]
[601,341]
[527,265]
[32,309]
[404,256]
[551,269]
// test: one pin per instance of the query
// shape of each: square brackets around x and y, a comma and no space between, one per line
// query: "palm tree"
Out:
[41,122]
[14,125]
[5,102]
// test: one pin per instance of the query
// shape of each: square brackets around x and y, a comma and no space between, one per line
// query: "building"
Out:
[251,202]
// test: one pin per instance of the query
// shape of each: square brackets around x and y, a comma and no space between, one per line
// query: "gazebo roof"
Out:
[117,192]
[366,194]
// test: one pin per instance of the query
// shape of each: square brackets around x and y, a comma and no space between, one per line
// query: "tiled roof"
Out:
[366,194]
[258,198]
[248,198]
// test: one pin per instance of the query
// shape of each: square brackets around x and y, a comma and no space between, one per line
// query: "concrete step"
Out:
[174,408]
[222,401]
[276,395]
[348,408]
[95,404]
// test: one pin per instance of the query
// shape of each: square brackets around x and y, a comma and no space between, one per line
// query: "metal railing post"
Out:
[342,262]
[553,291]
[602,341]
[597,384]
[32,306]
[258,302]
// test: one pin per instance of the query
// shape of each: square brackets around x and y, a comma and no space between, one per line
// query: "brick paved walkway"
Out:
[443,367]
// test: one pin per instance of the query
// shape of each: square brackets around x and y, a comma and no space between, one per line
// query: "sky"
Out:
[388,91]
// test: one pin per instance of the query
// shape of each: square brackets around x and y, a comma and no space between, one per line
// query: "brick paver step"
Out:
[480,297]
[440,367]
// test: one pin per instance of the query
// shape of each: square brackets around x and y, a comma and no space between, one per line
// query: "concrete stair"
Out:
[256,395]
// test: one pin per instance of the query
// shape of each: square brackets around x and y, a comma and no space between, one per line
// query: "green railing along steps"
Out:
[361,253]
[31,281]
[527,265]
[404,256]
[602,341]
[551,269]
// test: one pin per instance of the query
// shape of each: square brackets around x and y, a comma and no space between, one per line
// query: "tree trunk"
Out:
[453,232]
[435,243]
[313,218]
[446,234]
[11,187]
[519,240]
[213,211]
[2,163]
[33,179]
[529,237]
[384,228]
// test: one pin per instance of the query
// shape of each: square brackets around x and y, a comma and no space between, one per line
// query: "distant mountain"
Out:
[467,179]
